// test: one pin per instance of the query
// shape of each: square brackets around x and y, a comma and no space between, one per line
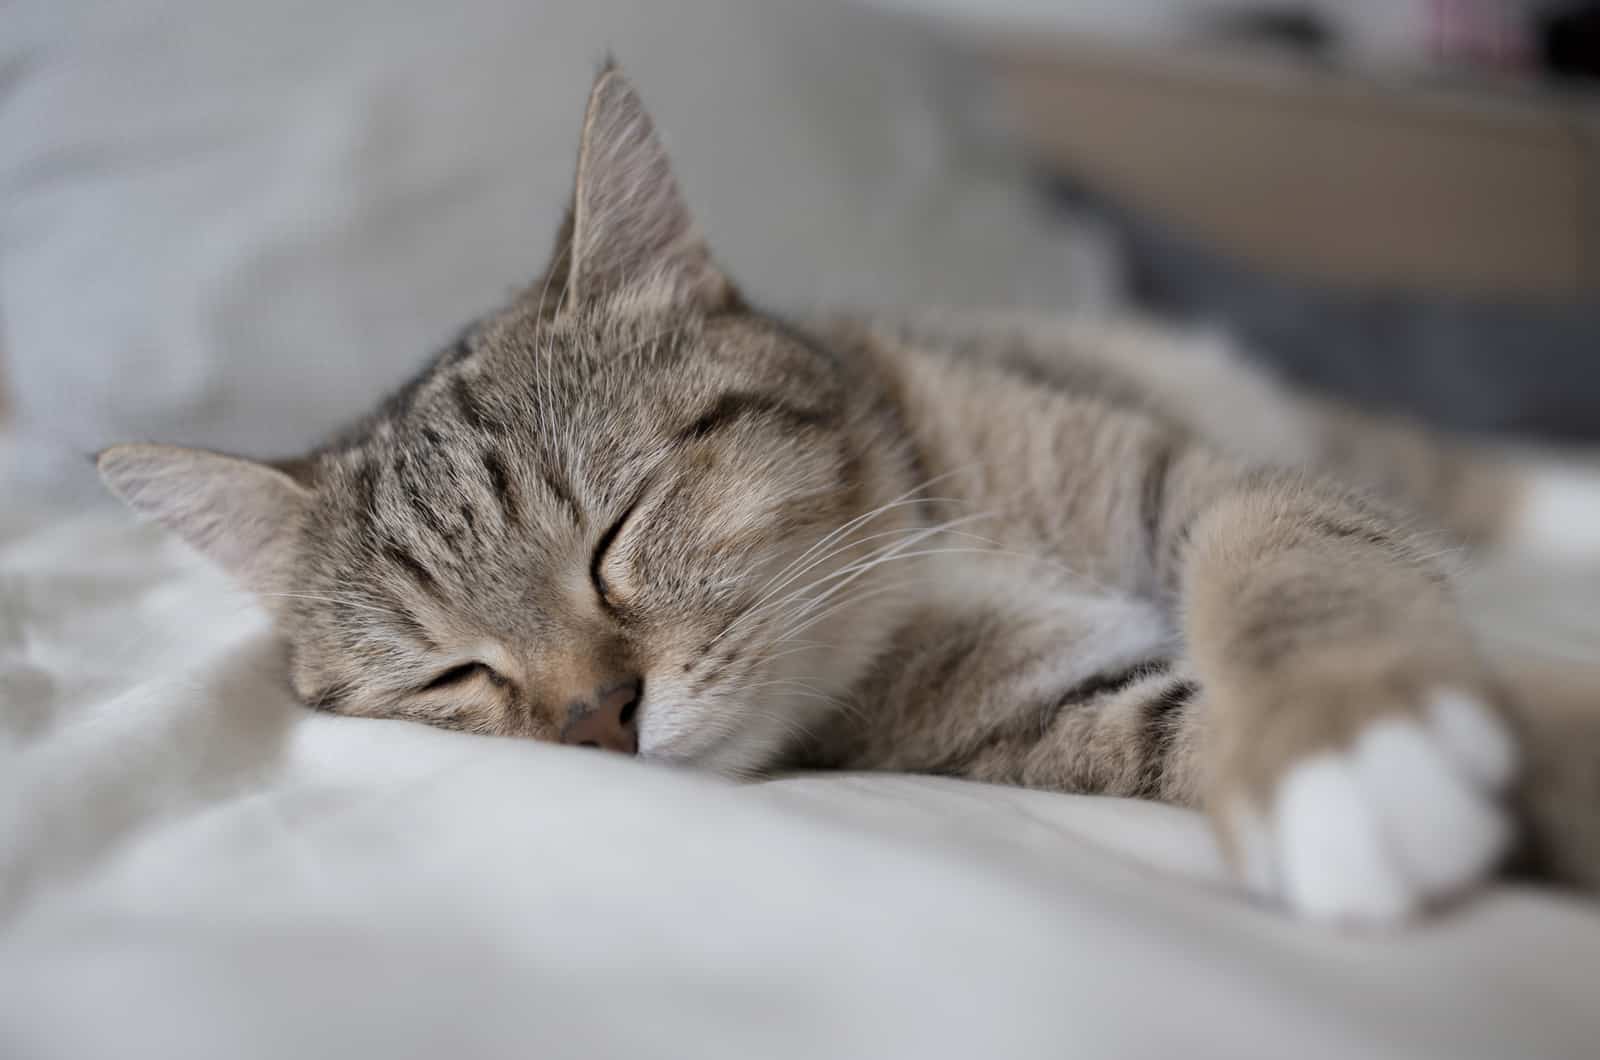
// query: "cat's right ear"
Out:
[629,228]
[241,514]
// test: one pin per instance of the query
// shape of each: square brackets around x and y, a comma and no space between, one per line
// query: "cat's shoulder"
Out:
[1095,353]
[1189,378]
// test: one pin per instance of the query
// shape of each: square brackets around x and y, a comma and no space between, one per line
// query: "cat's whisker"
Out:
[851,573]
[795,649]
[797,622]
[790,726]
[862,567]
[860,596]
[344,602]
[785,682]
[646,341]
[769,602]
[1452,552]
[843,706]
[907,538]
[805,605]
[731,723]
[909,497]
[849,542]
[799,688]
[541,359]
[789,573]
[998,548]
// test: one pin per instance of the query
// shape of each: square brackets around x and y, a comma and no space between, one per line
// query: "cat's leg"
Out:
[1327,707]
[1023,683]
[1352,752]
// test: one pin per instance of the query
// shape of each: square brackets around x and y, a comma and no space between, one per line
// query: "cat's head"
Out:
[623,510]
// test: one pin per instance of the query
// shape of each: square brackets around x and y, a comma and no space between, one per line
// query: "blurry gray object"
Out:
[1496,35]
[235,224]
[1418,36]
[1524,368]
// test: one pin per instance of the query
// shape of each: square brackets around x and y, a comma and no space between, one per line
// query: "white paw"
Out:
[1410,813]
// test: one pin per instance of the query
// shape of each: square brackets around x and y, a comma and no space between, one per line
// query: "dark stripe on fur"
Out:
[1028,727]
[412,566]
[502,486]
[1162,721]
[329,699]
[1349,531]
[426,513]
[472,411]
[366,485]
[1108,683]
[731,408]
[555,480]
[1153,491]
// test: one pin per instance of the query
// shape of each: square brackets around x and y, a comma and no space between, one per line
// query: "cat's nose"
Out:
[607,719]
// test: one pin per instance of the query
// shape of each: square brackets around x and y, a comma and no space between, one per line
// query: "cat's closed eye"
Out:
[603,546]
[457,675]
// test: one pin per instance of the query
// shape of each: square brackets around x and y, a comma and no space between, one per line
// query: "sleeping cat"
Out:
[631,511]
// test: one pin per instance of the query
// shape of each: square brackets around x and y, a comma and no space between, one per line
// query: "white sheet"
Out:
[192,866]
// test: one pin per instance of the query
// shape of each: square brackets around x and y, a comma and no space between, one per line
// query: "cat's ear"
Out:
[241,514]
[629,227]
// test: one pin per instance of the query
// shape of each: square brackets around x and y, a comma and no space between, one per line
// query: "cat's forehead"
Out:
[519,411]
[559,383]
[567,414]
[616,353]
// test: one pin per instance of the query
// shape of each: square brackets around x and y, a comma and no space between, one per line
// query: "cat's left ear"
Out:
[630,228]
[241,514]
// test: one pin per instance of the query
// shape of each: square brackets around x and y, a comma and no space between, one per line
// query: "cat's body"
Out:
[1053,445]
[630,511]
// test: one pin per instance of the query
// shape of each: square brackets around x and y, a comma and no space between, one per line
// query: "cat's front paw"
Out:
[1411,811]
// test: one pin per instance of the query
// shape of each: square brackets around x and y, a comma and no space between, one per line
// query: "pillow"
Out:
[235,224]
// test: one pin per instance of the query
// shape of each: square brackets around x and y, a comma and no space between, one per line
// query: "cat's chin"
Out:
[728,755]
[739,751]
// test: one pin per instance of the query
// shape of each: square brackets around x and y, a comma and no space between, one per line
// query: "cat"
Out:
[632,512]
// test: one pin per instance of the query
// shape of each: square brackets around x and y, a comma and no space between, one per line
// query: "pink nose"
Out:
[608,719]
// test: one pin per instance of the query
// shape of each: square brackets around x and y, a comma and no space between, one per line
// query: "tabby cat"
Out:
[631,511]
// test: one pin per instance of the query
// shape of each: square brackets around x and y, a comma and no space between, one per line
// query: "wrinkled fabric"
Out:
[192,865]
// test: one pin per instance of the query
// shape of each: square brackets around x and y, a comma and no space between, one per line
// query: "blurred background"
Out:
[236,223]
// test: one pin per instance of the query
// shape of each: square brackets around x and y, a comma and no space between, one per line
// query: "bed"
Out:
[192,865]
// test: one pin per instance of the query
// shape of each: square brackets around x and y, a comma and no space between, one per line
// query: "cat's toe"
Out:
[1333,861]
[1475,737]
[1437,801]
[1410,813]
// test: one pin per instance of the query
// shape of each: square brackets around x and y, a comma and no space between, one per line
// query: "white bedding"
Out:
[193,866]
